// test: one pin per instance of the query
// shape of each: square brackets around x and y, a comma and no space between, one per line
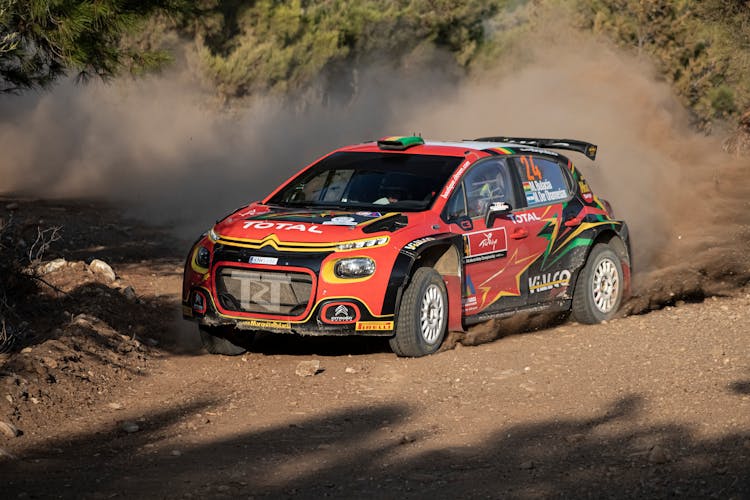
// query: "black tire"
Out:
[598,293]
[423,315]
[224,340]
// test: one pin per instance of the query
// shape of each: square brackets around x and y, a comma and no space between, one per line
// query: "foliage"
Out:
[701,47]
[18,275]
[247,46]
[41,40]
[284,45]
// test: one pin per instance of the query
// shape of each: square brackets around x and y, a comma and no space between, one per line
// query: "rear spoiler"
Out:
[585,148]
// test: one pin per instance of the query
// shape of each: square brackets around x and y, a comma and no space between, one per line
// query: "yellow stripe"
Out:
[583,227]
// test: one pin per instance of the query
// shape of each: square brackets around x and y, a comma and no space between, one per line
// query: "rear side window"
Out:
[543,180]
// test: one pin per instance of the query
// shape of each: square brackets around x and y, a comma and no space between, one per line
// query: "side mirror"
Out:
[495,210]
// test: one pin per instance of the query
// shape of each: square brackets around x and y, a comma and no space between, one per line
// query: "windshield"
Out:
[370,181]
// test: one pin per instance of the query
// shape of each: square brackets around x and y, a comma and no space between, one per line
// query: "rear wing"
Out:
[585,148]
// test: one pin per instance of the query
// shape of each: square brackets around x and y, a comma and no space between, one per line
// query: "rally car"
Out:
[410,239]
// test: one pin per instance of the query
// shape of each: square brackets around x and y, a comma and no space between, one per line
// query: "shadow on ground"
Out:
[741,387]
[352,453]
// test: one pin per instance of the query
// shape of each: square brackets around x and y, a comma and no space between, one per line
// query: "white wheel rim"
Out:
[606,285]
[431,314]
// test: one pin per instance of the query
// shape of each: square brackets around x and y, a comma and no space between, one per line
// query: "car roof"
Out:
[415,144]
[451,148]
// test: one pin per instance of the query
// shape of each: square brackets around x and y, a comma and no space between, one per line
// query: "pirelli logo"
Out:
[370,326]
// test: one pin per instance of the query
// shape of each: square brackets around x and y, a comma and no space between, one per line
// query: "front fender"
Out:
[443,252]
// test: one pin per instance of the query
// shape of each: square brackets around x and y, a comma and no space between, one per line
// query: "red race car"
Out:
[409,239]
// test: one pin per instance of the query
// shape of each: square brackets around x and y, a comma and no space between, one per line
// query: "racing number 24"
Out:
[532,171]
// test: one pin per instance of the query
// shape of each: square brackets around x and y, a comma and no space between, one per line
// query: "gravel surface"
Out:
[121,402]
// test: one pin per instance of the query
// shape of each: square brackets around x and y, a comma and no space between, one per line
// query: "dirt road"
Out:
[116,399]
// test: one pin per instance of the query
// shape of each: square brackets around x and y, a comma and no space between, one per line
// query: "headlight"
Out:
[203,257]
[357,267]
[354,245]
[212,235]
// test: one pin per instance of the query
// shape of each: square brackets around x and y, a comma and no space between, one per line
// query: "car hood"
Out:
[257,222]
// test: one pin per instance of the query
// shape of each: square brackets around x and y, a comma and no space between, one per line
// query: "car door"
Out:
[495,253]
[546,191]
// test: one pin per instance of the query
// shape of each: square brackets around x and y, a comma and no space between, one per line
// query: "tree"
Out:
[41,40]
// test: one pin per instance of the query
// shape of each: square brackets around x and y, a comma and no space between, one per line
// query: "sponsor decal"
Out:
[470,303]
[365,326]
[524,217]
[287,226]
[454,180]
[338,313]
[418,243]
[548,281]
[542,192]
[531,149]
[261,323]
[588,196]
[370,214]
[486,245]
[264,290]
[341,221]
[253,211]
[268,261]
[488,241]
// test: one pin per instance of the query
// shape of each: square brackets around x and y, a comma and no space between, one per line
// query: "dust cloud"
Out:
[163,147]
[166,149]
[682,197]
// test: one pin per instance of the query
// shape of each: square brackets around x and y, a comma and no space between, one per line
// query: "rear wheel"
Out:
[225,340]
[598,293]
[423,315]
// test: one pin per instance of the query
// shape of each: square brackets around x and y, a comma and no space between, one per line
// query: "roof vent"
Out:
[396,143]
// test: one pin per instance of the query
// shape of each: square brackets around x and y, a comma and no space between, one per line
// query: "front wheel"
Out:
[598,294]
[224,340]
[423,315]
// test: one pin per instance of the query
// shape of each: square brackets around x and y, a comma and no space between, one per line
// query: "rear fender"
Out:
[619,241]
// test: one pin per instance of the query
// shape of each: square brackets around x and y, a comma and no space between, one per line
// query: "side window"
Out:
[543,180]
[456,206]
[485,184]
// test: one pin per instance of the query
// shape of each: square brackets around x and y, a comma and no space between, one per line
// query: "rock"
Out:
[6,454]
[49,362]
[26,350]
[115,406]
[129,293]
[9,398]
[102,269]
[575,438]
[658,455]
[130,427]
[153,343]
[527,465]
[9,429]
[176,453]
[52,266]
[11,206]
[308,368]
[406,439]
[349,369]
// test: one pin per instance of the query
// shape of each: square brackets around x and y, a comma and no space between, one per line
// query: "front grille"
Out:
[269,292]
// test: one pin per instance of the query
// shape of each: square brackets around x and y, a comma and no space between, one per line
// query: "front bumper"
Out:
[282,292]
